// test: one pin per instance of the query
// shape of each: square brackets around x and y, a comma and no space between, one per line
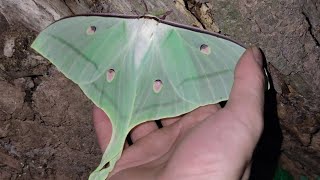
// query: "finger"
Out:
[142,130]
[103,127]
[126,145]
[247,94]
[246,174]
[211,109]
[194,117]
[169,121]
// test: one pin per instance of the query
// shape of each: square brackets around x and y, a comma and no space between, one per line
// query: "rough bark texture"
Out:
[45,127]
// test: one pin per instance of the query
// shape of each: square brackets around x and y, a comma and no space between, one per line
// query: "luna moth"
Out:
[139,68]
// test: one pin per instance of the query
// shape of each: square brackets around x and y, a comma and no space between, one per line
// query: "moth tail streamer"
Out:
[109,158]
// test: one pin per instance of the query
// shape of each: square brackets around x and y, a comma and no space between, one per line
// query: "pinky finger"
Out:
[103,127]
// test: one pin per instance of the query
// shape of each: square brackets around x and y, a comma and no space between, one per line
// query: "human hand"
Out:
[208,143]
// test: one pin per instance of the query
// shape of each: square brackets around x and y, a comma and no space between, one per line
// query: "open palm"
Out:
[208,143]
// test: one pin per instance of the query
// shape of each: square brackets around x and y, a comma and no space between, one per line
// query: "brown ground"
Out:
[45,123]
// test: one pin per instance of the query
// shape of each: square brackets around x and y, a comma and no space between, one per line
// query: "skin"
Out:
[208,143]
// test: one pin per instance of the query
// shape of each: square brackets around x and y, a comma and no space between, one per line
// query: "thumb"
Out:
[247,94]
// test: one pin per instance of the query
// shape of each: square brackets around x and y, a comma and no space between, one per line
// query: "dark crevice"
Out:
[189,9]
[43,8]
[4,75]
[106,165]
[129,140]
[145,6]
[29,92]
[68,7]
[32,76]
[310,28]
[159,124]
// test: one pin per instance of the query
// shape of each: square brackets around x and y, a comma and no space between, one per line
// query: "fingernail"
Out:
[257,55]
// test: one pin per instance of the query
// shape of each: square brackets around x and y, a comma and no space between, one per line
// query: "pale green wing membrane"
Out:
[139,69]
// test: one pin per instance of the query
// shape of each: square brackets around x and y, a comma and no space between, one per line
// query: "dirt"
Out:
[45,124]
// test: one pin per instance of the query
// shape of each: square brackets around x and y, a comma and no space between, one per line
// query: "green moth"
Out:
[139,68]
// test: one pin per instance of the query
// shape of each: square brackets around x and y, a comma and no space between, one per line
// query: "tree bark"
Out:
[38,14]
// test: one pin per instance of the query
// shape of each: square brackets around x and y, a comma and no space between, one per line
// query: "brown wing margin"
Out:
[191,28]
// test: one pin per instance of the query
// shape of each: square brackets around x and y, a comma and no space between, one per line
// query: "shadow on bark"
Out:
[266,155]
